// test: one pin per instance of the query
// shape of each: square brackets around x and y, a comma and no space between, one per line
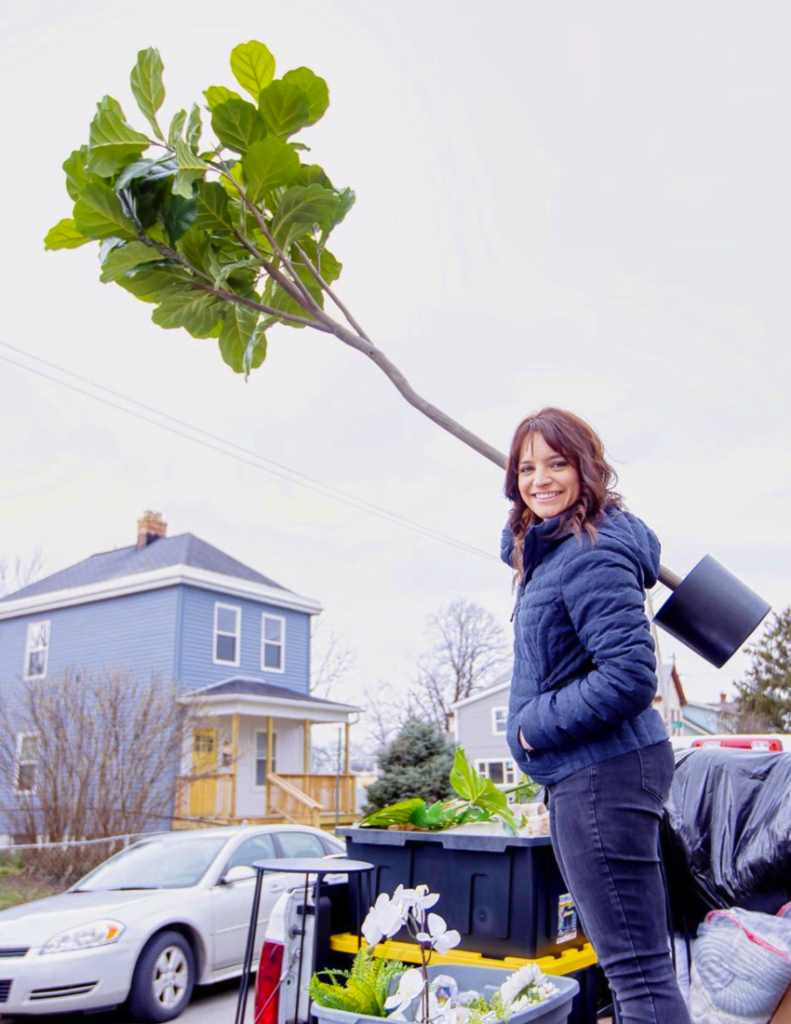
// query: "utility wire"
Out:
[245,455]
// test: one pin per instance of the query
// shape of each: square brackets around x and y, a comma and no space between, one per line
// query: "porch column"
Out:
[347,730]
[234,760]
[306,747]
[269,742]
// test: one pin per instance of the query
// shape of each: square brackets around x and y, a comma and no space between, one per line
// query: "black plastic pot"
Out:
[712,612]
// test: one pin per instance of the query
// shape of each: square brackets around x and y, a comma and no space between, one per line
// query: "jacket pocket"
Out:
[519,753]
[657,764]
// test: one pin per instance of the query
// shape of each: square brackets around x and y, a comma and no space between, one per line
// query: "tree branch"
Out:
[314,271]
[240,300]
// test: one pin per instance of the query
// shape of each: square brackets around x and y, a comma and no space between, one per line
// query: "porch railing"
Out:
[324,788]
[293,803]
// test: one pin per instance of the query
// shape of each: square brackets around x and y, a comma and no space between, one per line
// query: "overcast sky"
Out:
[574,204]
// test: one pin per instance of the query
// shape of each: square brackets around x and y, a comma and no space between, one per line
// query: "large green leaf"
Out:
[176,127]
[396,814]
[194,127]
[268,164]
[154,284]
[212,212]
[315,87]
[124,258]
[190,169]
[179,215]
[113,142]
[76,168]
[253,66]
[237,125]
[468,783]
[98,214]
[195,246]
[196,311]
[64,235]
[300,208]
[145,170]
[217,94]
[345,201]
[285,108]
[147,87]
[312,174]
[237,332]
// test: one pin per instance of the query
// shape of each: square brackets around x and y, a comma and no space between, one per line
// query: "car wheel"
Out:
[163,979]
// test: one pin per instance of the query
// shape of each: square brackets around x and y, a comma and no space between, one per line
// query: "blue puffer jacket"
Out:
[584,667]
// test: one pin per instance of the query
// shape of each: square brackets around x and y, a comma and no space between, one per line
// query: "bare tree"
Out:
[468,649]
[20,573]
[385,714]
[332,660]
[85,756]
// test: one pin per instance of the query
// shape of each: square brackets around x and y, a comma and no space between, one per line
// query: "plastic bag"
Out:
[741,967]
[728,832]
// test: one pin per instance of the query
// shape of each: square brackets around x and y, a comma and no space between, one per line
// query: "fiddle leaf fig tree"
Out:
[217,219]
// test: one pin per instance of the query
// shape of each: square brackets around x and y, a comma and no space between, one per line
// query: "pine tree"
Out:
[765,692]
[416,763]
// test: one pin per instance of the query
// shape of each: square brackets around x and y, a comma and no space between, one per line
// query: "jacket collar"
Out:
[539,540]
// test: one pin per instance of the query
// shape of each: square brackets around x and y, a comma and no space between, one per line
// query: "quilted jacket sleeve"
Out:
[603,592]
[507,546]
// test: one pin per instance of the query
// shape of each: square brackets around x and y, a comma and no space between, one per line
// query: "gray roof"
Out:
[259,689]
[184,549]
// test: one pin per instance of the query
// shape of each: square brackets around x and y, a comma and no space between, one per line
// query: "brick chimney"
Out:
[150,528]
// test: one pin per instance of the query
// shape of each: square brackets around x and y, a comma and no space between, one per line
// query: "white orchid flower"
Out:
[409,988]
[439,936]
[516,983]
[424,900]
[384,919]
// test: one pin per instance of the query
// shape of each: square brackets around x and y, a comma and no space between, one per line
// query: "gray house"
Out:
[478,725]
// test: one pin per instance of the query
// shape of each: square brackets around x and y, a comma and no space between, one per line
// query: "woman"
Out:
[580,718]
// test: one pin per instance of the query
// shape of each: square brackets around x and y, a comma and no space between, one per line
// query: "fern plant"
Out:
[363,989]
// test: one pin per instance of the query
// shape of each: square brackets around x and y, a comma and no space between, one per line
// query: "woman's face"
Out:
[548,483]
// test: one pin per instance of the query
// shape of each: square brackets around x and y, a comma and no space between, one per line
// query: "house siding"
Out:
[196,666]
[474,728]
[136,633]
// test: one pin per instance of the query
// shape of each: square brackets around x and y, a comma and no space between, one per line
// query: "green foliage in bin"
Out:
[363,989]
[478,800]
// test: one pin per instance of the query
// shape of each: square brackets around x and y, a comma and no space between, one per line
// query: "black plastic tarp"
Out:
[727,840]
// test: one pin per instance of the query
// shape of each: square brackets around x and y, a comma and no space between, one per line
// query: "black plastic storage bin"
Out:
[503,894]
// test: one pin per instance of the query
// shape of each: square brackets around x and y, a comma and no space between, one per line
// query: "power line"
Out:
[245,455]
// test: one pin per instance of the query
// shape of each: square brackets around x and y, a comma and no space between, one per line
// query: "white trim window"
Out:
[273,643]
[502,771]
[227,634]
[26,770]
[259,761]
[499,720]
[37,649]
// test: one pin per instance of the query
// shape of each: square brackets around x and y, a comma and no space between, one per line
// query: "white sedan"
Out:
[161,916]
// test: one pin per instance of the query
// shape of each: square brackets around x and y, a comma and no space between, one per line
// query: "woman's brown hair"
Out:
[580,445]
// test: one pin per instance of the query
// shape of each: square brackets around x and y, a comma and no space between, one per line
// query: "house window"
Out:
[273,643]
[499,719]
[26,762]
[227,631]
[37,650]
[502,772]
[260,756]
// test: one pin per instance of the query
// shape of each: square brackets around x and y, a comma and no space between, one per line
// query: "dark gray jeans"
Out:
[605,833]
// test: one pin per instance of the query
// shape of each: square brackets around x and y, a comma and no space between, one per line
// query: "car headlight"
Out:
[85,936]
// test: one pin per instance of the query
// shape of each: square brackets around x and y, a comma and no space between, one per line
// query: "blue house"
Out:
[237,644]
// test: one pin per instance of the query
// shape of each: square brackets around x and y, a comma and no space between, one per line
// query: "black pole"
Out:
[241,1006]
[316,903]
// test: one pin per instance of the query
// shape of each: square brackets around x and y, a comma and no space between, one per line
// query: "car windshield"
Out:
[161,863]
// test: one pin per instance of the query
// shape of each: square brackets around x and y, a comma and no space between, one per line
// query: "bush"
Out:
[416,763]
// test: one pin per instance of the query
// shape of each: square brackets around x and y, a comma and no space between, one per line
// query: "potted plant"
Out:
[432,994]
[504,885]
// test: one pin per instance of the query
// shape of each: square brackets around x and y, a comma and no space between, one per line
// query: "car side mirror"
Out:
[238,873]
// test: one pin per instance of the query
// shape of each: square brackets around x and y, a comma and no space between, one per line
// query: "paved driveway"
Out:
[212,1004]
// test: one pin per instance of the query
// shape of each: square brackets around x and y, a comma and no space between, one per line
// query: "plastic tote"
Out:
[504,894]
[554,1010]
